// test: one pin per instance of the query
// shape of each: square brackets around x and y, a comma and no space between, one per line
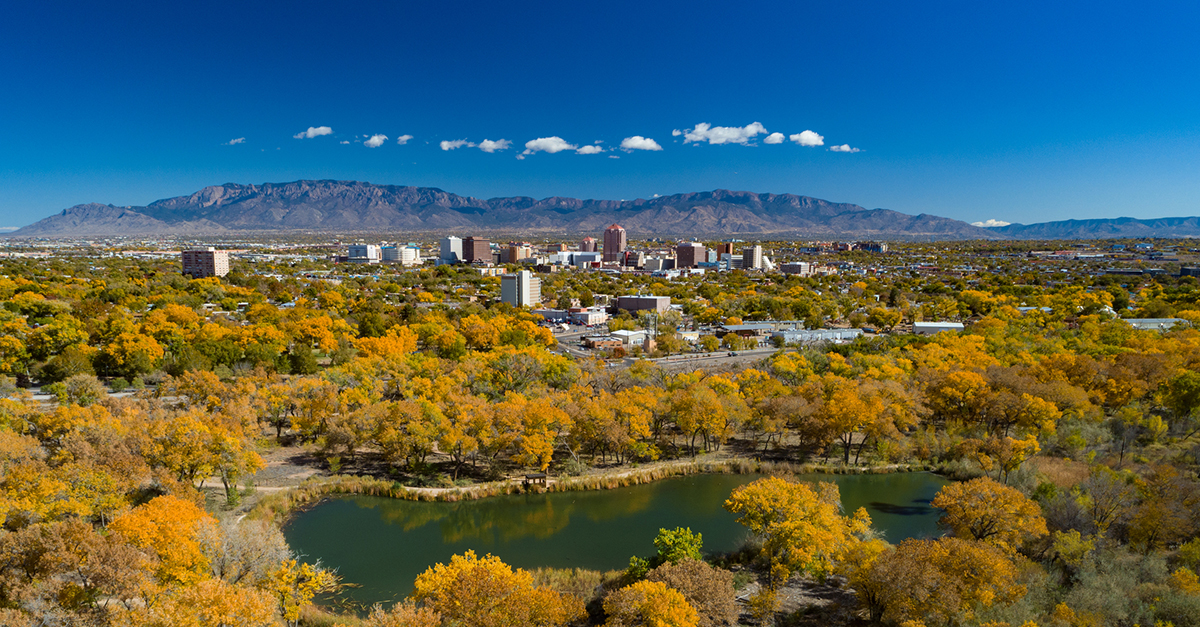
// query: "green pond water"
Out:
[382,544]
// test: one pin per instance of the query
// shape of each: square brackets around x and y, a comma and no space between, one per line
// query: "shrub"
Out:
[709,590]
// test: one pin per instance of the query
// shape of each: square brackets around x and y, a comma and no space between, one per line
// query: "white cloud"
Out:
[345,141]
[7,229]
[637,142]
[773,138]
[375,141]
[403,139]
[590,150]
[488,145]
[458,143]
[613,157]
[520,157]
[314,131]
[843,148]
[808,138]
[676,133]
[723,134]
[991,223]
[551,145]
[240,140]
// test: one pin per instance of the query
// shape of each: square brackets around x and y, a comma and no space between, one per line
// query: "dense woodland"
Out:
[1074,435]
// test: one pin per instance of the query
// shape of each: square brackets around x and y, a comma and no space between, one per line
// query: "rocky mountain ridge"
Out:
[353,206]
[341,206]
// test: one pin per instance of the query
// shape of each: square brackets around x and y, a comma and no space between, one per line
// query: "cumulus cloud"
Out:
[590,150]
[723,134]
[375,141]
[458,143]
[488,145]
[637,142]
[991,223]
[773,138]
[551,145]
[345,141]
[843,148]
[808,138]
[314,131]
[239,140]
[676,133]
[403,139]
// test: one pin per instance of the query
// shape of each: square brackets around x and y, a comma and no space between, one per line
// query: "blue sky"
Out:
[1015,111]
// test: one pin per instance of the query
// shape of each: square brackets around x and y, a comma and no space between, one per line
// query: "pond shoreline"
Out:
[280,506]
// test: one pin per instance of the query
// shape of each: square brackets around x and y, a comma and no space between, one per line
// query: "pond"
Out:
[380,545]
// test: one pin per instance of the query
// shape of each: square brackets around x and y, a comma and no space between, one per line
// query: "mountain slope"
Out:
[1102,229]
[355,206]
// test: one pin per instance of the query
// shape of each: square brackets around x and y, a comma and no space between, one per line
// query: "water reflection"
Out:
[383,544]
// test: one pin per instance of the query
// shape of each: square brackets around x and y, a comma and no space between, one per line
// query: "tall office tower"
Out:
[688,254]
[521,289]
[724,249]
[752,258]
[206,262]
[452,250]
[588,245]
[614,243]
[477,250]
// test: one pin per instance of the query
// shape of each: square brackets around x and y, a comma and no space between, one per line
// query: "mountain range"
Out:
[351,206]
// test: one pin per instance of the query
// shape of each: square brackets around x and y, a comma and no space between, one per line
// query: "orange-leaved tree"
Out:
[168,527]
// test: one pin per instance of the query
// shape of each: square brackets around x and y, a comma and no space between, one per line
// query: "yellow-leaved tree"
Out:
[982,509]
[934,581]
[802,528]
[486,592]
[295,583]
[649,603]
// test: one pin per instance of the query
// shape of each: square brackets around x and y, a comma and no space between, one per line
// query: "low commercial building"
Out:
[364,253]
[1154,324]
[931,328]
[805,336]
[588,315]
[761,329]
[602,342]
[630,338]
[644,303]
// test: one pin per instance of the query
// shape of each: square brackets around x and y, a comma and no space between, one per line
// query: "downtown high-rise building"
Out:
[477,250]
[452,250]
[588,245]
[205,262]
[521,289]
[689,255]
[614,243]
[752,258]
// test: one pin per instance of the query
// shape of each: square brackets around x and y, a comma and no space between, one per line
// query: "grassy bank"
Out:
[277,507]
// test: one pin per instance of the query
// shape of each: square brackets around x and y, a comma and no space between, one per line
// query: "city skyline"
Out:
[1012,114]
